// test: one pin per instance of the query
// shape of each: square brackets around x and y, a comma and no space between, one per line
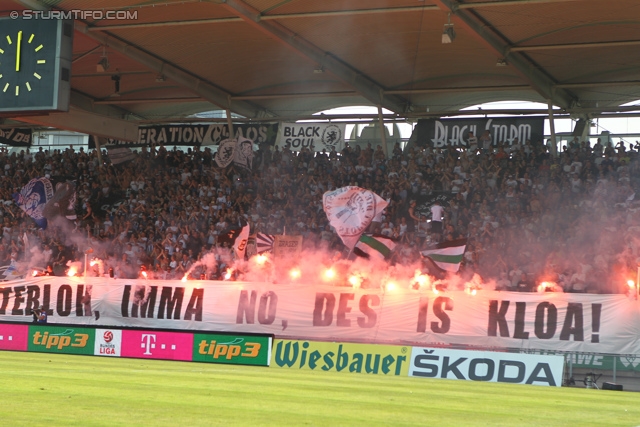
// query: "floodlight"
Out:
[449,34]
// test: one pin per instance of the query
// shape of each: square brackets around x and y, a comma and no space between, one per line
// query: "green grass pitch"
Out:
[59,390]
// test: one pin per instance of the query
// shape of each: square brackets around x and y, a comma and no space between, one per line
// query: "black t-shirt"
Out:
[524,286]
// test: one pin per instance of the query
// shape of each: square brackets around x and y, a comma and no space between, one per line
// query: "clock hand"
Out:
[18,51]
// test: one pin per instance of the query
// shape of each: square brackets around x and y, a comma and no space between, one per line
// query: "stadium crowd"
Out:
[529,216]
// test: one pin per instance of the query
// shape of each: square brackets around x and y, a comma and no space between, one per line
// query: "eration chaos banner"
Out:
[194,135]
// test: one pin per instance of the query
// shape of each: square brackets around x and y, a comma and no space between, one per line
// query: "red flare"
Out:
[295,273]
[329,274]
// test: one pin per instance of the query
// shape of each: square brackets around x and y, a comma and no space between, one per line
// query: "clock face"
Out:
[30,64]
[25,60]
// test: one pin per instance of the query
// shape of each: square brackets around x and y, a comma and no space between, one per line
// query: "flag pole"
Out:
[637,292]
[350,252]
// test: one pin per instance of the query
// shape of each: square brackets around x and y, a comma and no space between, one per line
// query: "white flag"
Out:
[243,155]
[351,210]
[226,153]
[119,155]
[240,244]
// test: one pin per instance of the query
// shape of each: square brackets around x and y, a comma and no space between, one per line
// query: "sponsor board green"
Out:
[61,339]
[234,349]
[342,357]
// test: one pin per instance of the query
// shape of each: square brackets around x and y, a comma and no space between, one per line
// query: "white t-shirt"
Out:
[436,213]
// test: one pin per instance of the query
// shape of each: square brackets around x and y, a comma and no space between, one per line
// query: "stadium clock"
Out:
[35,65]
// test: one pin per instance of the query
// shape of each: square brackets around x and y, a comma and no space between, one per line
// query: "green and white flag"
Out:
[374,246]
[447,255]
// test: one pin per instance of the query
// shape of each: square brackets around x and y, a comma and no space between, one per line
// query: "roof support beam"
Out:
[84,102]
[574,46]
[466,89]
[200,87]
[599,84]
[361,83]
[508,3]
[458,89]
[539,80]
[274,17]
[146,101]
[82,121]
[85,54]
[332,13]
[87,117]
[115,27]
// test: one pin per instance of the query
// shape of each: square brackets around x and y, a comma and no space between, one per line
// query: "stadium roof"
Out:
[287,59]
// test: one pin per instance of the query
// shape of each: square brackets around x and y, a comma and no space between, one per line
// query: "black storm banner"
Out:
[440,133]
[195,135]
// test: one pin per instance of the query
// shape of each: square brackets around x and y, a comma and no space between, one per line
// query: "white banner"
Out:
[314,136]
[586,323]
[287,246]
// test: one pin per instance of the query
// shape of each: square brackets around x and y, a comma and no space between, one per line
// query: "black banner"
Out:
[195,135]
[439,133]
[424,203]
[16,137]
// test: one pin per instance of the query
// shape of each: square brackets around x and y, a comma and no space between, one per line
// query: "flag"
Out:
[240,245]
[33,197]
[25,240]
[243,154]
[10,272]
[264,242]
[236,238]
[351,210]
[447,255]
[226,153]
[120,155]
[425,202]
[374,246]
[63,202]
[239,151]
[103,206]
